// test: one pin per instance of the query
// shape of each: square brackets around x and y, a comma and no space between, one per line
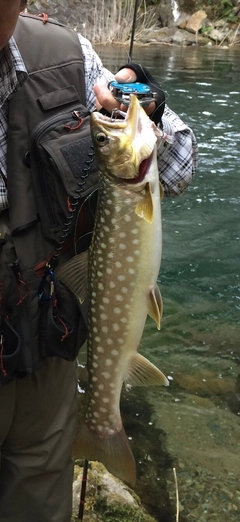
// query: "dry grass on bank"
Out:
[114,23]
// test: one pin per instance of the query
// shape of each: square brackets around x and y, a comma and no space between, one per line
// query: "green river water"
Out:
[194,425]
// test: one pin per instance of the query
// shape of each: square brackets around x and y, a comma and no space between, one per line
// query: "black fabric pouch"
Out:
[64,169]
[62,328]
[9,349]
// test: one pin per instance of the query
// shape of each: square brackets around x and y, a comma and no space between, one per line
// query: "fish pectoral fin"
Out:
[155,306]
[161,189]
[142,372]
[144,208]
[113,451]
[74,274]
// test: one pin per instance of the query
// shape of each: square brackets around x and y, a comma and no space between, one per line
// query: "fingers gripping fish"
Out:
[123,265]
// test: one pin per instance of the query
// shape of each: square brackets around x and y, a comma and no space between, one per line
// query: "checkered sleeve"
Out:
[178,156]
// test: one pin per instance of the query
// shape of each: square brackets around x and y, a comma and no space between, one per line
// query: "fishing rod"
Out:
[122,91]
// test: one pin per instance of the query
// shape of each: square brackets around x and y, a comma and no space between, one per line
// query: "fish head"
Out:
[124,146]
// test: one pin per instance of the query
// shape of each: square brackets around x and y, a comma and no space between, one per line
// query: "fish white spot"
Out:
[106,375]
[96,414]
[95,330]
[137,252]
[103,316]
[107,212]
[118,297]
[112,284]
[115,327]
[96,394]
[109,341]
[109,271]
[113,221]
[123,320]
[100,286]
[118,208]
[109,201]
[94,379]
[105,400]
[124,290]
[110,255]
[117,310]
[135,241]
[99,274]
[120,341]
[122,246]
[118,264]
[131,271]
[95,365]
[134,231]
[94,320]
[97,339]
[105,329]
[129,259]
[108,362]
[100,386]
[127,218]
[106,300]
[100,349]
[121,278]
[103,410]
[114,352]
[122,234]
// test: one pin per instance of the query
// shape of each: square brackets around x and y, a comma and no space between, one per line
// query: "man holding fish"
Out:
[116,276]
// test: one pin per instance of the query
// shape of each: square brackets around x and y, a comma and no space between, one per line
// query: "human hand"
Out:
[131,73]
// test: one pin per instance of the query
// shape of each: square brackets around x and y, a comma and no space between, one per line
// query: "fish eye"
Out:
[101,138]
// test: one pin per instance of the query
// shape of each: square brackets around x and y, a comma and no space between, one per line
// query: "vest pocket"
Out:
[9,349]
[62,329]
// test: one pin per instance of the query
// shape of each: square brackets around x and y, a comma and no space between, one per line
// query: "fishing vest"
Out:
[48,214]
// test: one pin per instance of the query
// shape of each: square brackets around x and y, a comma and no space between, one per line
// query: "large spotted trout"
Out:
[123,266]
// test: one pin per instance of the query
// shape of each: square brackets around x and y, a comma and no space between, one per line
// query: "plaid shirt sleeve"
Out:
[178,157]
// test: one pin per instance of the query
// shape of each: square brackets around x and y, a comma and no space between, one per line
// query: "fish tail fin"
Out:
[114,452]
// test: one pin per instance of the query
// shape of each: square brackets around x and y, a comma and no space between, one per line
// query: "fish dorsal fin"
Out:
[155,306]
[74,274]
[144,208]
[142,372]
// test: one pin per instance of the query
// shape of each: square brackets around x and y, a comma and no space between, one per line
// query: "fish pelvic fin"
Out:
[113,452]
[155,306]
[142,372]
[74,274]
[144,208]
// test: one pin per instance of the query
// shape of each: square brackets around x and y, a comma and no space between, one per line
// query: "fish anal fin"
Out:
[142,372]
[112,451]
[155,307]
[144,208]
[74,274]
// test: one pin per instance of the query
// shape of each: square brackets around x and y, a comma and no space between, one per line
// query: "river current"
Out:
[193,426]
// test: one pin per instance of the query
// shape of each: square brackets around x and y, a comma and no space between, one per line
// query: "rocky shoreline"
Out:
[178,28]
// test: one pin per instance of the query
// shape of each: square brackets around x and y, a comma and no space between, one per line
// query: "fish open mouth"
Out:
[143,169]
